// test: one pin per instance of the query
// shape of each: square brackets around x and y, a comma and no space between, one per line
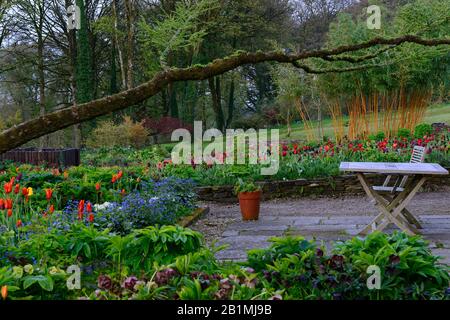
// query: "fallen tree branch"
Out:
[57,120]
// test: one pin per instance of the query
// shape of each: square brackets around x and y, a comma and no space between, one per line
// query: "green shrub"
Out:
[300,270]
[377,137]
[169,262]
[422,130]
[404,133]
[380,136]
[128,133]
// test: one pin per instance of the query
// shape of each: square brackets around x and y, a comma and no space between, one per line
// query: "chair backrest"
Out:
[418,155]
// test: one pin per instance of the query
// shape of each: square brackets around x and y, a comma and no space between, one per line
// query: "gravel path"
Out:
[326,219]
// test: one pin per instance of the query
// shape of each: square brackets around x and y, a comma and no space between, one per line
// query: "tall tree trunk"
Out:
[113,71]
[83,70]
[129,8]
[214,87]
[166,108]
[173,105]
[43,141]
[119,50]
[76,129]
[230,103]
[72,40]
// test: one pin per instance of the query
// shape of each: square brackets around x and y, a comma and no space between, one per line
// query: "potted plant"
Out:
[249,196]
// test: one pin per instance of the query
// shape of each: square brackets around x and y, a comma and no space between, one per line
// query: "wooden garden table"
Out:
[393,208]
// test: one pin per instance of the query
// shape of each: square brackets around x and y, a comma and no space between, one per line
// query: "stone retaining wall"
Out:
[333,186]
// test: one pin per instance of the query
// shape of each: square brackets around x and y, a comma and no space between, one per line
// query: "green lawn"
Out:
[436,113]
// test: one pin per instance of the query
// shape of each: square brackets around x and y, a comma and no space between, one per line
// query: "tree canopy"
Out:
[209,60]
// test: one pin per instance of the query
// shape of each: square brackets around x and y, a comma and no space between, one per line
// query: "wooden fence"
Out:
[49,157]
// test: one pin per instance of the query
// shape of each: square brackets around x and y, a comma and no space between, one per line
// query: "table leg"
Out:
[391,211]
[409,192]
[405,212]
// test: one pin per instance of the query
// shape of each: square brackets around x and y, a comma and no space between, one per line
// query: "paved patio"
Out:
[324,219]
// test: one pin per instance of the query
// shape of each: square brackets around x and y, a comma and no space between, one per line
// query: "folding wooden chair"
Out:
[388,192]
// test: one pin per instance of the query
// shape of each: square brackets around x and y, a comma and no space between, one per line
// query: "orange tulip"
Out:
[120,174]
[4,292]
[66,175]
[19,223]
[123,193]
[114,179]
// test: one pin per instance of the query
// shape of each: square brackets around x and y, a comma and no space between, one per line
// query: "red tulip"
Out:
[51,209]
[89,207]
[8,187]
[91,217]
[25,191]
[119,175]
[19,223]
[8,204]
[10,212]
[97,186]
[114,179]
[48,194]
[284,153]
[81,206]
[2,204]
[17,189]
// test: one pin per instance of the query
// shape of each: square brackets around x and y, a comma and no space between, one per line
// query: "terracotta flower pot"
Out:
[249,203]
